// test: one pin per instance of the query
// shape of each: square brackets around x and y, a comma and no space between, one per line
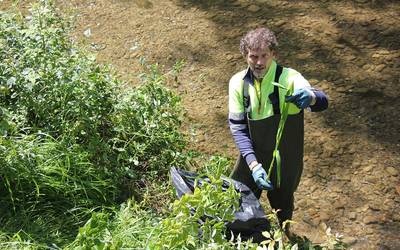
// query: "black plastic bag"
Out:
[250,220]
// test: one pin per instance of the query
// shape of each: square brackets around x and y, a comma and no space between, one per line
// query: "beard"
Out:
[258,72]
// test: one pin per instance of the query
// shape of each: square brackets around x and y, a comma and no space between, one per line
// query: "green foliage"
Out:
[49,187]
[72,137]
[276,238]
[217,165]
[53,172]
[146,121]
[208,203]
[95,234]
[59,89]
[127,228]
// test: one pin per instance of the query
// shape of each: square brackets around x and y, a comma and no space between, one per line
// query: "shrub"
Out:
[72,137]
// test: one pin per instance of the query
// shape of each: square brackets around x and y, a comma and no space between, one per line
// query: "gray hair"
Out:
[256,39]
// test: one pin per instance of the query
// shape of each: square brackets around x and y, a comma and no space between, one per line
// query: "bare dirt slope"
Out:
[349,49]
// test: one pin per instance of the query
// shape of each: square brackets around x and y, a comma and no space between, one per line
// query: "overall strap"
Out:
[246,97]
[274,96]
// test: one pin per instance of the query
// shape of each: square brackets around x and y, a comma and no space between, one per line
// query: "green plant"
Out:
[276,237]
[49,187]
[217,166]
[276,155]
[333,241]
[209,204]
[129,227]
[177,69]
[72,136]
[59,89]
[147,121]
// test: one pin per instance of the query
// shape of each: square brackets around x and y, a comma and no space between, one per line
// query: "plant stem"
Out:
[282,121]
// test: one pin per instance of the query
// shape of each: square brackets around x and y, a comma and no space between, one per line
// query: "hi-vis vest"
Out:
[261,106]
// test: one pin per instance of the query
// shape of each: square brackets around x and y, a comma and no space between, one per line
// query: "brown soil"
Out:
[349,49]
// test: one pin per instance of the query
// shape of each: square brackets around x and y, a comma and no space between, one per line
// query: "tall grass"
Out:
[74,140]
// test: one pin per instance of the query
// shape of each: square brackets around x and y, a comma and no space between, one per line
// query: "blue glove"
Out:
[302,98]
[260,178]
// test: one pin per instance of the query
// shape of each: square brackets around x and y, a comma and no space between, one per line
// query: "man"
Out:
[254,113]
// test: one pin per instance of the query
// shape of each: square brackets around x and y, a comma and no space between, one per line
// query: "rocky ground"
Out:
[349,49]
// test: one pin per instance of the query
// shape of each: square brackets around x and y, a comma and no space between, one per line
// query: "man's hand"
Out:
[260,178]
[302,98]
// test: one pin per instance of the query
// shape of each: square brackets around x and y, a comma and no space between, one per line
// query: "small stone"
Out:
[366,190]
[308,219]
[349,240]
[323,216]
[361,90]
[352,215]
[392,171]
[376,207]
[87,32]
[371,219]
[280,23]
[368,168]
[376,55]
[323,226]
[365,66]
[302,203]
[339,46]
[350,57]
[312,212]
[364,208]
[380,67]
[398,189]
[339,204]
[365,23]
[253,8]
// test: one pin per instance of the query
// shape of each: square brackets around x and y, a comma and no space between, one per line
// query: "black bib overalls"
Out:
[263,137]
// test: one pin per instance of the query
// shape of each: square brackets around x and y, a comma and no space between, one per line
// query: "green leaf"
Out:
[266,234]
[279,85]
[278,167]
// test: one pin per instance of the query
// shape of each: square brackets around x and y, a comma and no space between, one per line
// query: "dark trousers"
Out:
[281,198]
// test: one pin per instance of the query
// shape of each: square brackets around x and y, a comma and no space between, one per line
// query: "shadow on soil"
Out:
[323,62]
[365,102]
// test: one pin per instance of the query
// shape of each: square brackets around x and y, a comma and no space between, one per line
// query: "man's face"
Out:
[259,61]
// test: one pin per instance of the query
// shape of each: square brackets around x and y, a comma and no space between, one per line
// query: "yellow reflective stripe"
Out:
[258,89]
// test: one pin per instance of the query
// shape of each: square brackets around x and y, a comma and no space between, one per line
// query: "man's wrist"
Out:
[252,165]
[313,98]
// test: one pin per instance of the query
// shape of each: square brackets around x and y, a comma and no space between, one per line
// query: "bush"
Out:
[73,138]
[59,90]
[146,121]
